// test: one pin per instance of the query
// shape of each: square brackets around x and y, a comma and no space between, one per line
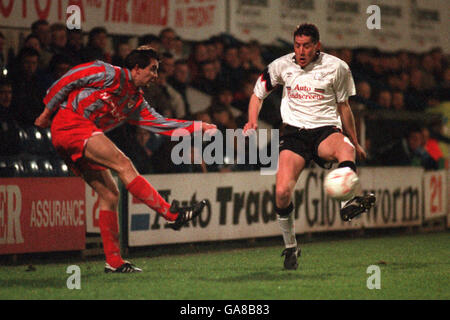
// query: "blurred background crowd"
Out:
[401,107]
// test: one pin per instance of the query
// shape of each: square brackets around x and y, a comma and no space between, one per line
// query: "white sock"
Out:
[287,227]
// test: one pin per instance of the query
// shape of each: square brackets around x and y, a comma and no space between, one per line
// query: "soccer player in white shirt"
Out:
[316,113]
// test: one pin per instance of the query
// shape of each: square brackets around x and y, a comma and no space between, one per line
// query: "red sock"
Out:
[109,230]
[144,191]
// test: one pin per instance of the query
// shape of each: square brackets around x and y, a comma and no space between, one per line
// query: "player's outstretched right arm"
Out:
[254,108]
[267,81]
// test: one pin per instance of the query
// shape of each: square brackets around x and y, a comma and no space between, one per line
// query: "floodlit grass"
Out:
[412,267]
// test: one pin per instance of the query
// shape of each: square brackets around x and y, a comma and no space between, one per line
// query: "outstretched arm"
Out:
[254,107]
[147,118]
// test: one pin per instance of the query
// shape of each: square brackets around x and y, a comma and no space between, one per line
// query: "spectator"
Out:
[398,100]
[242,97]
[198,56]
[59,38]
[212,50]
[403,81]
[232,72]
[404,62]
[150,40]
[432,147]
[2,53]
[167,36]
[408,151]
[179,50]
[443,89]
[416,96]
[75,46]
[164,98]
[256,58]
[5,99]
[244,56]
[96,47]
[222,117]
[28,91]
[440,62]
[58,66]
[427,67]
[168,63]
[208,80]
[32,41]
[121,52]
[220,46]
[141,153]
[41,28]
[362,100]
[8,126]
[180,82]
[202,116]
[384,99]
[346,54]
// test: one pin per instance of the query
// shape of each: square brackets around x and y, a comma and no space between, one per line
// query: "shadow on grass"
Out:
[33,283]
[283,275]
[57,282]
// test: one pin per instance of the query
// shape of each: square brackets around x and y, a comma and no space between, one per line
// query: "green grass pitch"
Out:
[411,267]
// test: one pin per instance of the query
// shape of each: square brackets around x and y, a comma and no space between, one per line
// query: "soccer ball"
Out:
[340,183]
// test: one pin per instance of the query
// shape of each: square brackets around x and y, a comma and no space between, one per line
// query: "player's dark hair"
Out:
[308,29]
[141,58]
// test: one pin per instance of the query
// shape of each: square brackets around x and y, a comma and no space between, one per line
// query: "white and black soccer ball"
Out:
[340,183]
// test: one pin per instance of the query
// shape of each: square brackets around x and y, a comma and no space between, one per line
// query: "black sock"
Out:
[349,164]
[284,212]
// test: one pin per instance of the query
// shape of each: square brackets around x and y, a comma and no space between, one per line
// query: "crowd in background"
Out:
[225,70]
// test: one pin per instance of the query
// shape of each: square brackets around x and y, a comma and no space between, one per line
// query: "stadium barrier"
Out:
[54,214]
[240,205]
[42,215]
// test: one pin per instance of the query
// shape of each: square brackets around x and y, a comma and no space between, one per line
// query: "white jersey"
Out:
[310,94]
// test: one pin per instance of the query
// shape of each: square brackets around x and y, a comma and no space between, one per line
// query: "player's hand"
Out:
[211,128]
[42,121]
[360,152]
[250,128]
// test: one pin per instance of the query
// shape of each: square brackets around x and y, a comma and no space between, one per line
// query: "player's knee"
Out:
[344,151]
[110,197]
[283,195]
[125,164]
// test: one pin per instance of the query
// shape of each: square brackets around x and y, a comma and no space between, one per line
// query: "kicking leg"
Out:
[103,151]
[337,147]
